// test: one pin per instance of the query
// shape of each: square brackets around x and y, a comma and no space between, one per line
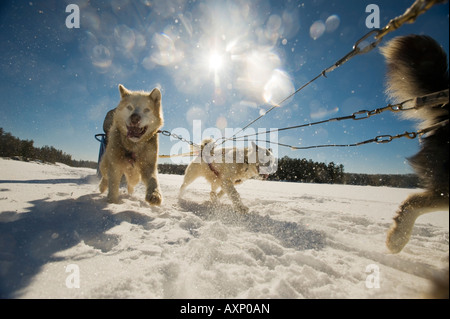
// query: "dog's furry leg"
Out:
[414,206]
[182,190]
[220,194]
[104,181]
[103,185]
[190,175]
[186,182]
[214,195]
[132,179]
[114,177]
[153,194]
[230,190]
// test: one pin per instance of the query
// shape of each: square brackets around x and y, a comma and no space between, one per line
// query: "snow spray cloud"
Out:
[264,146]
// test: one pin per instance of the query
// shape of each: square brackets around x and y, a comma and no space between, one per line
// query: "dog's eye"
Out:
[146,110]
[129,107]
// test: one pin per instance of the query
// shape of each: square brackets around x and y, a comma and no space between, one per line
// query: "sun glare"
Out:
[215,62]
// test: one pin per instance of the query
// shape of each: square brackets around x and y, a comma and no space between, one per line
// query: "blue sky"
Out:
[215,61]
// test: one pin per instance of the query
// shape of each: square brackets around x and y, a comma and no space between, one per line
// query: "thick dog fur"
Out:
[132,148]
[418,66]
[224,168]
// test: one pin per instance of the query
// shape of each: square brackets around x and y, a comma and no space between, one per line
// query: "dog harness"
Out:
[213,169]
[216,172]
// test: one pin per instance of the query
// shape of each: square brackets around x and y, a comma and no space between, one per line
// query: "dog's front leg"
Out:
[213,194]
[104,172]
[153,195]
[215,197]
[414,206]
[228,187]
[114,177]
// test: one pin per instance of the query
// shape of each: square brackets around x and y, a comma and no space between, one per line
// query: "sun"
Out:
[215,62]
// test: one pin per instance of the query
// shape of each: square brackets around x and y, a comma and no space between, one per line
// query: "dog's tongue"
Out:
[134,131]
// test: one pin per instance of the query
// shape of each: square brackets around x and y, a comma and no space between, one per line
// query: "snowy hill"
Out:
[60,239]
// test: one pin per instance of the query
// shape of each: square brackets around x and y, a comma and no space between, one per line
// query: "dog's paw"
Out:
[113,200]
[242,209]
[401,230]
[399,234]
[214,198]
[154,198]
[396,240]
[103,185]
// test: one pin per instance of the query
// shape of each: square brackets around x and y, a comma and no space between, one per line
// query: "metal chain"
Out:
[167,133]
[380,139]
[429,100]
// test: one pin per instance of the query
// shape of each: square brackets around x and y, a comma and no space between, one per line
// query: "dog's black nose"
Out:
[135,118]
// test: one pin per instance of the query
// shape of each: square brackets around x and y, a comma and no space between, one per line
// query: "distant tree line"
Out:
[308,171]
[175,169]
[11,146]
[393,180]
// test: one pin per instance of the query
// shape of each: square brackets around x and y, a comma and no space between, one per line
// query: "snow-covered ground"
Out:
[58,233]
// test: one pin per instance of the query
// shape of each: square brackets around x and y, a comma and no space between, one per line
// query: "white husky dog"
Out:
[225,167]
[132,148]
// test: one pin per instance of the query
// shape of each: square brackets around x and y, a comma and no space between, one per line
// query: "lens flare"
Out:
[332,23]
[278,87]
[215,62]
[101,56]
[317,29]
[221,122]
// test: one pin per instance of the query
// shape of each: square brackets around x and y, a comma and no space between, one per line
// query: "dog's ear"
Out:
[123,91]
[254,146]
[155,95]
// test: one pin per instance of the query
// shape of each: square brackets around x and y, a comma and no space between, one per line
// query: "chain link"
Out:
[176,136]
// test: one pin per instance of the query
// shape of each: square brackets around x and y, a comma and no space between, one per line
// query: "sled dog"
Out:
[132,148]
[225,167]
[417,66]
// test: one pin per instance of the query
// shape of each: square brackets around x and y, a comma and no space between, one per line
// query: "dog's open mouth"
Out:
[135,131]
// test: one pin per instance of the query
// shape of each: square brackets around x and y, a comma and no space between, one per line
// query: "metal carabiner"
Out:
[365,113]
[382,139]
[369,47]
